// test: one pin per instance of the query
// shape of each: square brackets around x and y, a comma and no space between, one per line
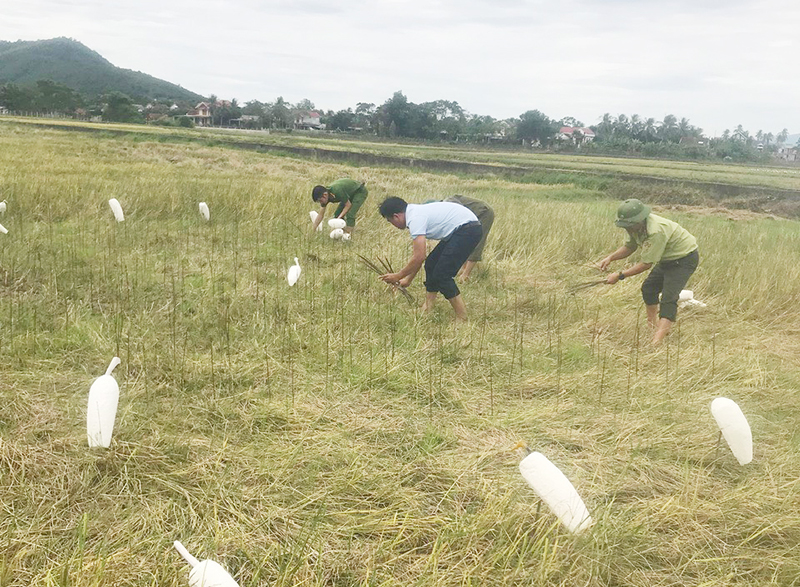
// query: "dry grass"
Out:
[327,435]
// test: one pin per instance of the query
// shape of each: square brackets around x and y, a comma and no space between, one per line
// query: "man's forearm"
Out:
[412,268]
[636,269]
[343,208]
[621,253]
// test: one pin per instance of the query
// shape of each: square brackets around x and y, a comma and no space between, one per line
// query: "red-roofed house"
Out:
[309,120]
[579,135]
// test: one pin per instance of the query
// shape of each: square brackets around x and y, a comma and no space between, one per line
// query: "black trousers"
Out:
[668,278]
[448,256]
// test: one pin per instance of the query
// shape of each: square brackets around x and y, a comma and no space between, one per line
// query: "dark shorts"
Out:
[667,279]
[485,216]
[448,256]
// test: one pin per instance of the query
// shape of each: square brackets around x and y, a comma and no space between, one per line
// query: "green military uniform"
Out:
[486,216]
[348,190]
[664,240]
[673,251]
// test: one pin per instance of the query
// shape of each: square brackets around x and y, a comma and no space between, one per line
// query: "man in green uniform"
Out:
[348,193]
[665,244]
[486,216]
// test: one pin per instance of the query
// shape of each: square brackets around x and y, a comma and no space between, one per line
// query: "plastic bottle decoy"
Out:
[204,211]
[3,205]
[553,488]
[205,573]
[294,272]
[337,233]
[734,427]
[337,223]
[313,214]
[116,209]
[101,411]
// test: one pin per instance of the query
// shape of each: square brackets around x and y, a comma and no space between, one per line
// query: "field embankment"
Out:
[771,190]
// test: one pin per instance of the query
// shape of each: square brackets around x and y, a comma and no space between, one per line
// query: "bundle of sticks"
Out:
[585,285]
[386,267]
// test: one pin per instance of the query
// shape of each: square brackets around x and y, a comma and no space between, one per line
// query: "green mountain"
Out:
[73,64]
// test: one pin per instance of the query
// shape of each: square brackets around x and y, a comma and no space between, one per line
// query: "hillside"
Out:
[73,64]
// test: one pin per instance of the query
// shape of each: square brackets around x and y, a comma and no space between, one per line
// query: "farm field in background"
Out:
[780,177]
[328,434]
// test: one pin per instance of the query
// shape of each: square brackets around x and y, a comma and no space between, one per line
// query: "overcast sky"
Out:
[718,63]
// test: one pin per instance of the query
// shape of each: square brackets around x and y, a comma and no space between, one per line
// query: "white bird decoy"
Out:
[553,488]
[206,573]
[734,427]
[116,209]
[3,229]
[294,272]
[686,298]
[204,211]
[102,408]
[337,233]
[337,223]
[314,214]
[3,206]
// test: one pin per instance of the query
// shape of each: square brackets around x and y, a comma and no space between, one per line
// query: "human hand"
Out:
[405,282]
[390,278]
[612,278]
[604,263]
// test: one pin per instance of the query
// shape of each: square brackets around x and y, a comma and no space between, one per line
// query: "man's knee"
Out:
[669,310]
[449,289]
[650,294]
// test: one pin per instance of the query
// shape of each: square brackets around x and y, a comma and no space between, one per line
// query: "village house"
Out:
[579,135]
[791,154]
[201,114]
[308,120]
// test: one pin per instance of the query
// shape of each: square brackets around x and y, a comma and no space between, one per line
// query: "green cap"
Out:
[631,212]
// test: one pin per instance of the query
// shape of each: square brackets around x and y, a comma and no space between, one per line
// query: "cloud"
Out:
[719,63]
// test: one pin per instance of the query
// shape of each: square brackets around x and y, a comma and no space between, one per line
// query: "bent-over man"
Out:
[348,193]
[485,216]
[458,231]
[668,248]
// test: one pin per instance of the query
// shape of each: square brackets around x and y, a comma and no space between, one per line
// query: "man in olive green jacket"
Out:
[665,244]
[348,193]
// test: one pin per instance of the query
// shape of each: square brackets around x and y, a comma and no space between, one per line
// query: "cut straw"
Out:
[387,268]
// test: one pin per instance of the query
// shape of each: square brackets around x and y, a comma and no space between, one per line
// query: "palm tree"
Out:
[649,129]
[669,127]
[622,127]
[636,125]
[782,136]
[741,135]
[212,107]
[685,129]
[606,127]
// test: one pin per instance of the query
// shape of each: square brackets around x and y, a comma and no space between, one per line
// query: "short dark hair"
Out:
[317,192]
[391,206]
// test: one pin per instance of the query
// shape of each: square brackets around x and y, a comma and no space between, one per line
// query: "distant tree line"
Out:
[439,121]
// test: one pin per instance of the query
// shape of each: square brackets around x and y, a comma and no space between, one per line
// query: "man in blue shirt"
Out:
[458,231]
